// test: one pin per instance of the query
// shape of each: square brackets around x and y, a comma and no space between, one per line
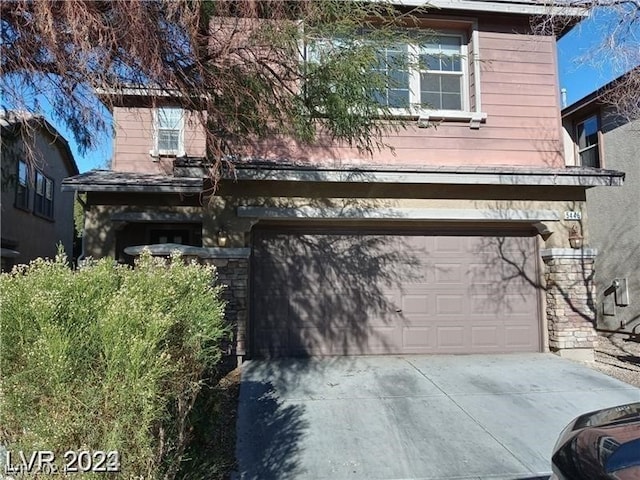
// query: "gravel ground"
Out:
[618,358]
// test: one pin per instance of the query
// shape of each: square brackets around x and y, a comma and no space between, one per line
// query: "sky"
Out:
[578,75]
[581,72]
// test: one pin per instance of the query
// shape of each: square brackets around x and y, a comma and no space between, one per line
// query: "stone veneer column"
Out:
[570,296]
[232,266]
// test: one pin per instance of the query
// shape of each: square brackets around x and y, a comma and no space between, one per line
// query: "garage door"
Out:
[349,293]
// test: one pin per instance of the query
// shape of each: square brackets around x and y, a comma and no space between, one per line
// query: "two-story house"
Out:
[36,215]
[458,241]
[598,136]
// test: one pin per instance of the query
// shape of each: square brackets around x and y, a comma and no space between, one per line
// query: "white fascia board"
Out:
[362,176]
[350,213]
[538,8]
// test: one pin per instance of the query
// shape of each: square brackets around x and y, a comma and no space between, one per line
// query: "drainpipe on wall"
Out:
[84,228]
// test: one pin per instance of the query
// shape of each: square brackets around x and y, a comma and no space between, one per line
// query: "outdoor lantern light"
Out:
[222,238]
[575,239]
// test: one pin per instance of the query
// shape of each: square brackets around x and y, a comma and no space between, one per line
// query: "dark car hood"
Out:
[604,444]
[608,416]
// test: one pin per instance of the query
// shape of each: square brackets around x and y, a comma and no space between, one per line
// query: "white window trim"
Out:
[475,41]
[157,153]
[414,82]
[426,116]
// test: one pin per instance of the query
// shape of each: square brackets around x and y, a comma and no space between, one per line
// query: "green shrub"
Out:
[107,358]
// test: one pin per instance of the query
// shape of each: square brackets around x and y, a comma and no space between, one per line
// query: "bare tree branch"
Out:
[236,63]
[619,47]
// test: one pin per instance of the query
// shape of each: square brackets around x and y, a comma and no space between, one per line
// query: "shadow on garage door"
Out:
[349,292]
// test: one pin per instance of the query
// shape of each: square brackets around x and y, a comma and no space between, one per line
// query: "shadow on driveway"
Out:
[413,417]
[269,433]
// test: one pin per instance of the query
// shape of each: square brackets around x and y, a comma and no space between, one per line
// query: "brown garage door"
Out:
[347,293]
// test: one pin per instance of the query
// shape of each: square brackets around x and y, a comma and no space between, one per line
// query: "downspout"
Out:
[83,204]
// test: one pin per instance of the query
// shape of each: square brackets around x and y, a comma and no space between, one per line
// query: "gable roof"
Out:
[13,119]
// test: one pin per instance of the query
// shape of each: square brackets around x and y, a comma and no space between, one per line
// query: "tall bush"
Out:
[107,357]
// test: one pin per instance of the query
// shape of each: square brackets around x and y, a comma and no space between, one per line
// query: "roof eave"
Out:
[557,177]
[498,6]
[96,187]
[105,181]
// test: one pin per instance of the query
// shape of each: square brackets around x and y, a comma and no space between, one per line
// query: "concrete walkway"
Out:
[414,417]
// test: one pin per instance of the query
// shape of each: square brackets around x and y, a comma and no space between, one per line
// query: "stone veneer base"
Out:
[577,354]
[570,298]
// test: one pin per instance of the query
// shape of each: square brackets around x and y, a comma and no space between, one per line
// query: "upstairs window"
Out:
[22,186]
[430,75]
[394,65]
[427,76]
[587,141]
[43,204]
[169,126]
[442,73]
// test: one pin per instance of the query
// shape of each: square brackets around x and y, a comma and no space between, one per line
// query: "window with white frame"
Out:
[587,141]
[22,186]
[169,131]
[394,65]
[442,73]
[429,75]
[43,199]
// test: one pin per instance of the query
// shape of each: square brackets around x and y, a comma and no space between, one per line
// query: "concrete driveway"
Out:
[418,417]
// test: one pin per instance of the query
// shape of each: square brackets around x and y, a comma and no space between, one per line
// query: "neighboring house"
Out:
[36,214]
[601,138]
[459,242]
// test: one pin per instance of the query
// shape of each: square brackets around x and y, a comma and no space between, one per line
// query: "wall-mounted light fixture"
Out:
[575,239]
[222,238]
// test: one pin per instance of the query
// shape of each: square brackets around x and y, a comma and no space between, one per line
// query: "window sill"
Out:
[158,154]
[429,117]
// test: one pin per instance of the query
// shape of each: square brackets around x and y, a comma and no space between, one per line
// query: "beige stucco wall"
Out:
[568,145]
[220,213]
[101,229]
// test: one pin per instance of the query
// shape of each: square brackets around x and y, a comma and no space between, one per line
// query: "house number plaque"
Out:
[572,215]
